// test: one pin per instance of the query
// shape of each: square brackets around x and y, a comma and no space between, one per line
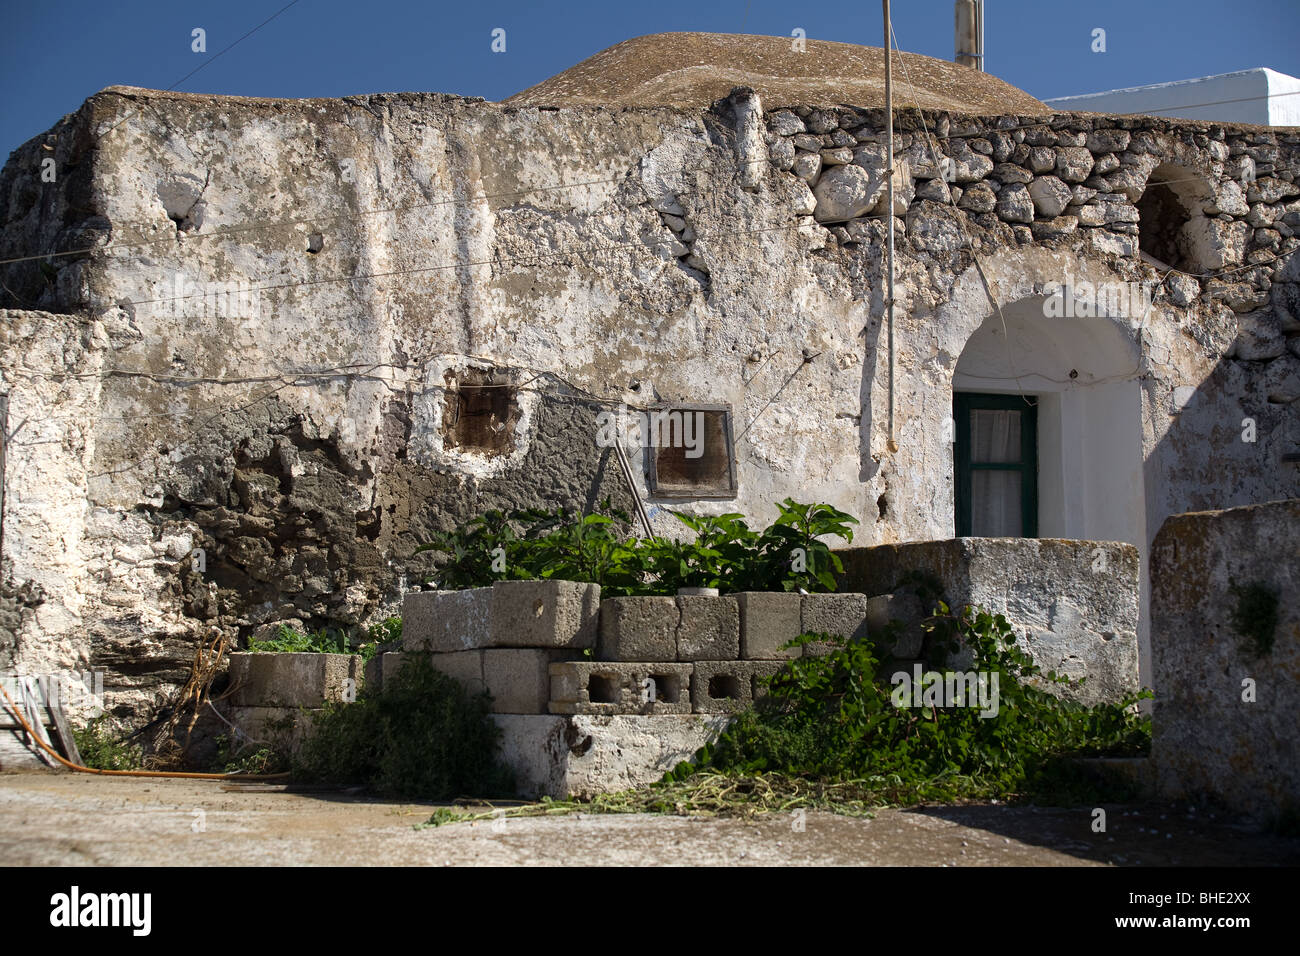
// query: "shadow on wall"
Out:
[1232,437]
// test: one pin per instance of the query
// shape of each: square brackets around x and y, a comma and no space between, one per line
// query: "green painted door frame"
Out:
[963,404]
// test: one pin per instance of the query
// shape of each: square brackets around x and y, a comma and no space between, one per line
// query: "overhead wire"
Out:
[205,64]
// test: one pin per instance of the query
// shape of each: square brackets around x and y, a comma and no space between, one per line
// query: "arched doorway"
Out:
[1048,436]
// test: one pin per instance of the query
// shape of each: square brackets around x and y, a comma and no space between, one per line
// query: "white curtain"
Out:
[995,494]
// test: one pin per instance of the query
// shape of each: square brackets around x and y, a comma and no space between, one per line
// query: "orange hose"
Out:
[129,773]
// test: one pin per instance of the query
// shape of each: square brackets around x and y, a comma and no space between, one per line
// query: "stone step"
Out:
[514,614]
[582,755]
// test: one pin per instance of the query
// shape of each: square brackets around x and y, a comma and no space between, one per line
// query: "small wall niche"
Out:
[480,412]
[1170,204]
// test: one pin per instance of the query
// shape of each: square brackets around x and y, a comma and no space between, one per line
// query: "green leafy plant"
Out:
[328,640]
[791,554]
[422,737]
[250,758]
[721,548]
[724,553]
[103,750]
[832,718]
[387,631]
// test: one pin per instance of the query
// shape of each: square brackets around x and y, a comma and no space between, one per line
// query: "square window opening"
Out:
[690,452]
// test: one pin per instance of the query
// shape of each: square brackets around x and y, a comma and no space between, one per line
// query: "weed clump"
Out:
[102,750]
[422,737]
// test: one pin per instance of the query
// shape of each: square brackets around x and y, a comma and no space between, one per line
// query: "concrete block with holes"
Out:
[538,614]
[608,687]
[709,628]
[724,687]
[844,615]
[638,629]
[768,620]
[761,673]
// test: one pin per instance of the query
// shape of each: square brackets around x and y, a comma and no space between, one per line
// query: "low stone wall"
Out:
[595,696]
[1074,604]
[553,647]
[275,696]
[1224,724]
[294,679]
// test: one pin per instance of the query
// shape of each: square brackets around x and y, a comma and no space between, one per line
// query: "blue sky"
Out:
[54,54]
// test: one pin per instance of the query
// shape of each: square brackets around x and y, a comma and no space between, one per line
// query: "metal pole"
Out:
[636,495]
[979,31]
[892,444]
[969,34]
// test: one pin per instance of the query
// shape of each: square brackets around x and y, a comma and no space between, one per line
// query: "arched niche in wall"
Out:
[1173,229]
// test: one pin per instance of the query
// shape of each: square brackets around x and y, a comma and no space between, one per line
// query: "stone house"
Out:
[255,351]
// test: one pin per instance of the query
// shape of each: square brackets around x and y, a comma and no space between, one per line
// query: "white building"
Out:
[1261,96]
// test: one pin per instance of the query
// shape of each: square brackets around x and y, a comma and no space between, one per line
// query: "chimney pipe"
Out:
[970,34]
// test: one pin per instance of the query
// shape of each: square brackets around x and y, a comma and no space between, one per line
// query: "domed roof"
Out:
[696,69]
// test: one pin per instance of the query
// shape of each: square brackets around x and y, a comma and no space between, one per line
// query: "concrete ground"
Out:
[72,819]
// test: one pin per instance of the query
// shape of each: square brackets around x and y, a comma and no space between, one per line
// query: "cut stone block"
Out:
[768,620]
[540,614]
[583,755]
[843,615]
[519,679]
[464,666]
[391,663]
[545,614]
[724,687]
[294,679]
[638,629]
[1206,740]
[446,620]
[767,669]
[709,629]
[284,728]
[597,687]
[374,674]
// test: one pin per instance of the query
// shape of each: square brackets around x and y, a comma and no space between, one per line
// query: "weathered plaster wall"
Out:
[273,293]
[1224,720]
